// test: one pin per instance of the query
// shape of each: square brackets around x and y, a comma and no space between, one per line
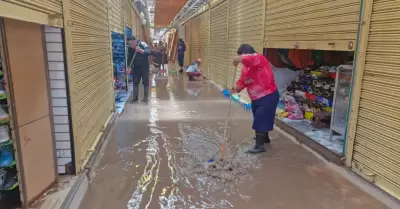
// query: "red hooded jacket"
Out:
[257,76]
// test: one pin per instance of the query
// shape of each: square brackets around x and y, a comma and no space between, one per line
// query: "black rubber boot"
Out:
[135,92]
[267,139]
[145,94]
[259,146]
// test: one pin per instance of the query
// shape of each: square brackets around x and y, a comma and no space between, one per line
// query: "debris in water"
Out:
[203,148]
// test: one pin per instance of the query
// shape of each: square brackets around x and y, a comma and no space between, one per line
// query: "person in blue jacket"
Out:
[139,67]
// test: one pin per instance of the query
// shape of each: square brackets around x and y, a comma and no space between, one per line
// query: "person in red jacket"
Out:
[258,78]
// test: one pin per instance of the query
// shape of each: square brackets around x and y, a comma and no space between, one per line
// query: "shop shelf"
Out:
[11,165]
[9,142]
[10,188]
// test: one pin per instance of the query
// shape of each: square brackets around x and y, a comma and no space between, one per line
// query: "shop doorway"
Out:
[28,114]
[315,93]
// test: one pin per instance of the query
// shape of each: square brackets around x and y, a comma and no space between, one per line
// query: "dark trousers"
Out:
[264,110]
[181,58]
[140,75]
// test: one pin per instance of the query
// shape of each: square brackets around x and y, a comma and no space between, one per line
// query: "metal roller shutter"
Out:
[45,6]
[243,27]
[90,72]
[134,23]
[312,24]
[128,13]
[218,43]
[373,147]
[194,51]
[188,42]
[204,39]
[116,14]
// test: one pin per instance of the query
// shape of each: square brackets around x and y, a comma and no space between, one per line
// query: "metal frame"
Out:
[358,72]
[49,101]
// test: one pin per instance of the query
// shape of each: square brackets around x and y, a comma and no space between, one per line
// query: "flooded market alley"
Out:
[156,157]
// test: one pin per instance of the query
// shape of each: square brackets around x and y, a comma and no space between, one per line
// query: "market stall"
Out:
[315,102]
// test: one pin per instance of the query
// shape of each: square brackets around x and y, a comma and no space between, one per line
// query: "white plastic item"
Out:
[4,133]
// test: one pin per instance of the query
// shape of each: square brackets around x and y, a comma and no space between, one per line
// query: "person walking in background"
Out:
[162,50]
[181,53]
[258,78]
[139,67]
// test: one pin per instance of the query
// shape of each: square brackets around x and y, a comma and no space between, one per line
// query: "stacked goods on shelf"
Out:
[310,96]
[118,52]
[9,194]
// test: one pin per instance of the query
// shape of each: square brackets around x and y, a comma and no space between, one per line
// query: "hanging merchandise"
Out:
[284,57]
[317,57]
[273,57]
[335,57]
[300,58]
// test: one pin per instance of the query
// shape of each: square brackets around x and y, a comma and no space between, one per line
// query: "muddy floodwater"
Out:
[165,154]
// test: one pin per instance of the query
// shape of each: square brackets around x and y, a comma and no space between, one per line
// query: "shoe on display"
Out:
[3,175]
[3,94]
[8,179]
[3,116]
[6,157]
[4,134]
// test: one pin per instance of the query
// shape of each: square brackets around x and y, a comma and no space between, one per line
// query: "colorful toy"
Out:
[293,108]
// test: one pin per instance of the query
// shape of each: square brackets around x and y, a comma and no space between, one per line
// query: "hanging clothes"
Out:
[273,57]
[284,57]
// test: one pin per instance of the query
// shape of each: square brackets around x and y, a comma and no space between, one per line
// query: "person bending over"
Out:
[258,78]
[193,71]
[139,67]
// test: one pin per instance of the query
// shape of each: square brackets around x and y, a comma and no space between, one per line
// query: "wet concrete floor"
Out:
[156,158]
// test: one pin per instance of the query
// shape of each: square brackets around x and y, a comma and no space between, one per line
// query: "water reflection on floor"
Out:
[156,154]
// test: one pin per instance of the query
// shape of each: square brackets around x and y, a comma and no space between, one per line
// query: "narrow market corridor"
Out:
[156,157]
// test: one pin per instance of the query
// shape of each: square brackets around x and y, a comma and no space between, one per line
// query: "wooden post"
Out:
[209,40]
[264,22]
[227,46]
[358,73]
[68,24]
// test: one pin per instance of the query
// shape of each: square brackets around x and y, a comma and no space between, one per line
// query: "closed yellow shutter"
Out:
[218,43]
[116,13]
[194,51]
[45,6]
[90,72]
[134,23]
[204,38]
[373,142]
[245,27]
[128,13]
[188,42]
[312,24]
